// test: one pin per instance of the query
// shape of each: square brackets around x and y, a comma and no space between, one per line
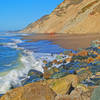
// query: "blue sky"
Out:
[17,14]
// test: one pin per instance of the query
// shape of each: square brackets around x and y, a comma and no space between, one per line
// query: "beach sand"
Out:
[65,40]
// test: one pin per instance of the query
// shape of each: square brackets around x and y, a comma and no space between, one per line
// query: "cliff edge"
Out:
[71,16]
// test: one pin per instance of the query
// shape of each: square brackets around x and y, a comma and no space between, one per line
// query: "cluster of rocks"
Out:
[85,63]
[70,76]
[66,88]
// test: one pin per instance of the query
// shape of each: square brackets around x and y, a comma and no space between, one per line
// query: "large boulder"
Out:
[79,93]
[34,91]
[63,85]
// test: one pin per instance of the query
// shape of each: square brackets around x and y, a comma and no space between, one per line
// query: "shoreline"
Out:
[67,41]
[66,74]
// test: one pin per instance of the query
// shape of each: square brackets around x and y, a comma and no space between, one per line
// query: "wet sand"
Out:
[67,41]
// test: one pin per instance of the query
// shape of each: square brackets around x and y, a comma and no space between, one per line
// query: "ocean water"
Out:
[18,56]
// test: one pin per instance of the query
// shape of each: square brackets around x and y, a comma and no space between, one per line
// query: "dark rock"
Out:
[36,73]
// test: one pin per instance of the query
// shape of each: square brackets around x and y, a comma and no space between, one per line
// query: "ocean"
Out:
[18,56]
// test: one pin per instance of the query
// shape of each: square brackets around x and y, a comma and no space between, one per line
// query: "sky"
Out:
[17,14]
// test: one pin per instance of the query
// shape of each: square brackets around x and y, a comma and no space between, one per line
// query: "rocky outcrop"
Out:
[44,90]
[77,94]
[71,16]
[34,91]
[63,85]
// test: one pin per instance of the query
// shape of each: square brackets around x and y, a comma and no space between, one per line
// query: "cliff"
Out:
[71,16]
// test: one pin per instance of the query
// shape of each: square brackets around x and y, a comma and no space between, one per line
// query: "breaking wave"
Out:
[15,76]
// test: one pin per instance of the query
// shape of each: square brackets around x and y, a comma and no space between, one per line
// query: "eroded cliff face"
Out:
[71,16]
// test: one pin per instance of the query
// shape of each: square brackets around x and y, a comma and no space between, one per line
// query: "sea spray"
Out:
[15,77]
[26,61]
[19,58]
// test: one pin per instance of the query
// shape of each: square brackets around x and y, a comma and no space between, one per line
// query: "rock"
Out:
[79,58]
[61,72]
[49,64]
[35,72]
[45,69]
[77,94]
[94,52]
[68,59]
[60,61]
[44,61]
[90,60]
[67,52]
[34,76]
[84,74]
[82,69]
[72,71]
[54,62]
[98,57]
[55,69]
[34,91]
[62,85]
[48,73]
[63,97]
[82,53]
[71,54]
[98,47]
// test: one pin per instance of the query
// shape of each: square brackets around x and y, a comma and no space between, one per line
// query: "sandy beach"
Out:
[67,41]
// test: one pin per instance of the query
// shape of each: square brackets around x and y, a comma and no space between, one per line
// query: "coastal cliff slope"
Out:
[71,16]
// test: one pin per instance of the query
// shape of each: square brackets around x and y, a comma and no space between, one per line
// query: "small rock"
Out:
[90,60]
[67,52]
[82,53]
[35,73]
[44,61]
[68,59]
[54,62]
[47,75]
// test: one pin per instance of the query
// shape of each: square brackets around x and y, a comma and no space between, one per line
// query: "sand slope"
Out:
[71,16]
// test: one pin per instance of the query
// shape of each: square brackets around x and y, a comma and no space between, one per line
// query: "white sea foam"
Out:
[29,60]
[13,44]
[15,77]
[17,41]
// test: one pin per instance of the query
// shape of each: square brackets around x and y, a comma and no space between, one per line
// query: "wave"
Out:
[15,77]
[27,60]
[13,44]
[17,41]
